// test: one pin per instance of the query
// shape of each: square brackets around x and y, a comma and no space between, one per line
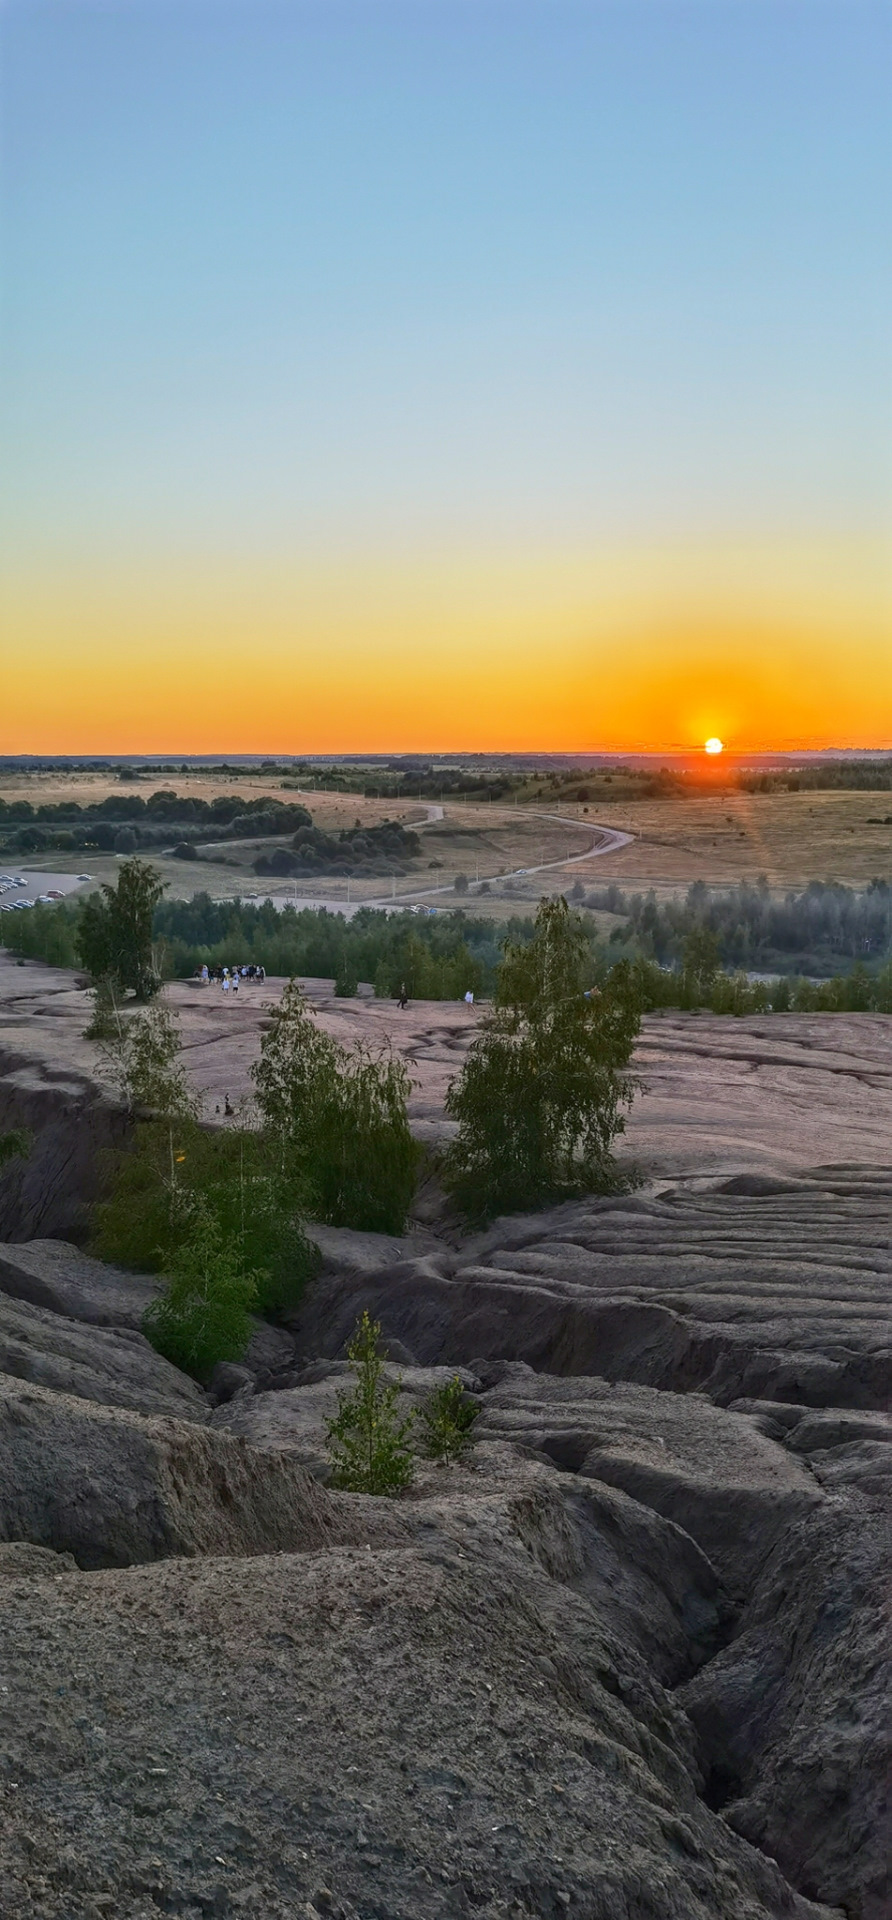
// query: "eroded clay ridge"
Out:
[748,1288]
[629,1663]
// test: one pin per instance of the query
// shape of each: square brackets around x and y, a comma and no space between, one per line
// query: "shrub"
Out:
[155,1190]
[236,1176]
[363,1164]
[461,883]
[204,1313]
[367,1439]
[539,1100]
[340,1119]
[143,1215]
[140,1053]
[15,1145]
[447,1420]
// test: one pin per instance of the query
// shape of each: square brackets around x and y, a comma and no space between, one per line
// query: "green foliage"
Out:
[15,1145]
[140,1053]
[701,957]
[447,1420]
[733,993]
[126,821]
[114,936]
[238,1177]
[340,1119]
[144,1213]
[539,1101]
[367,1439]
[203,1314]
[438,955]
[177,1172]
[44,933]
[356,850]
[174,1173]
[824,927]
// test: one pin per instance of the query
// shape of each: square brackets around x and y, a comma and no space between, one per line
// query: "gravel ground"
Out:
[391,1734]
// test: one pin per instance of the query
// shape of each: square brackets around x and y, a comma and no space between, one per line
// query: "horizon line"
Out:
[444,753]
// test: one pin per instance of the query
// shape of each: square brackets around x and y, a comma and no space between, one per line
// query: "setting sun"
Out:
[714,745]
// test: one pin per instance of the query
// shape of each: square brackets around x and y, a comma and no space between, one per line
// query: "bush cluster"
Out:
[355,851]
[177,1172]
[339,1119]
[370,1441]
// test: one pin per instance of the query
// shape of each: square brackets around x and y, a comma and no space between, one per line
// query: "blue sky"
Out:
[415,276]
[275,270]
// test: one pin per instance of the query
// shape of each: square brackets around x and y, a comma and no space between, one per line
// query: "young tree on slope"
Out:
[367,1438]
[539,1102]
[339,1117]
[114,935]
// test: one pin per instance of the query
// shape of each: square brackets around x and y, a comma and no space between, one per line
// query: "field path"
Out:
[603,840]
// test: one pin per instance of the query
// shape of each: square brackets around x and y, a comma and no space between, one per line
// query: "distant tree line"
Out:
[812,931]
[828,935]
[862,776]
[435,958]
[125,822]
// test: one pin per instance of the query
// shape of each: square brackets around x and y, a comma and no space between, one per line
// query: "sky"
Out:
[395,375]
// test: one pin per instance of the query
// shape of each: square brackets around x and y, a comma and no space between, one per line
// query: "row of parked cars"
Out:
[8,881]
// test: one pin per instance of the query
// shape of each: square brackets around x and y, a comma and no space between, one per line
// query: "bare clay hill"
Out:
[629,1663]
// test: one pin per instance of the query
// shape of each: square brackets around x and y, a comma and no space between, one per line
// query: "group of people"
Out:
[230,978]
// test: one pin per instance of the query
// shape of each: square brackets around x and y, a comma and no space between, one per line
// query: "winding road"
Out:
[603,840]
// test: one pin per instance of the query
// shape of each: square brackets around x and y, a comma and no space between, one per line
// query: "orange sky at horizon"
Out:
[768,646]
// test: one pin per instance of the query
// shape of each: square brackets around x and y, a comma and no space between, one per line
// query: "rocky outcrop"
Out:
[58,1276]
[113,1366]
[19,1557]
[113,1488]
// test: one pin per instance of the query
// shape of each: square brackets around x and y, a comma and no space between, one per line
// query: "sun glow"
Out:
[714,745]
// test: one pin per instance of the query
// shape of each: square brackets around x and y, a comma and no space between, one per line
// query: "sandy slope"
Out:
[717,1094]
